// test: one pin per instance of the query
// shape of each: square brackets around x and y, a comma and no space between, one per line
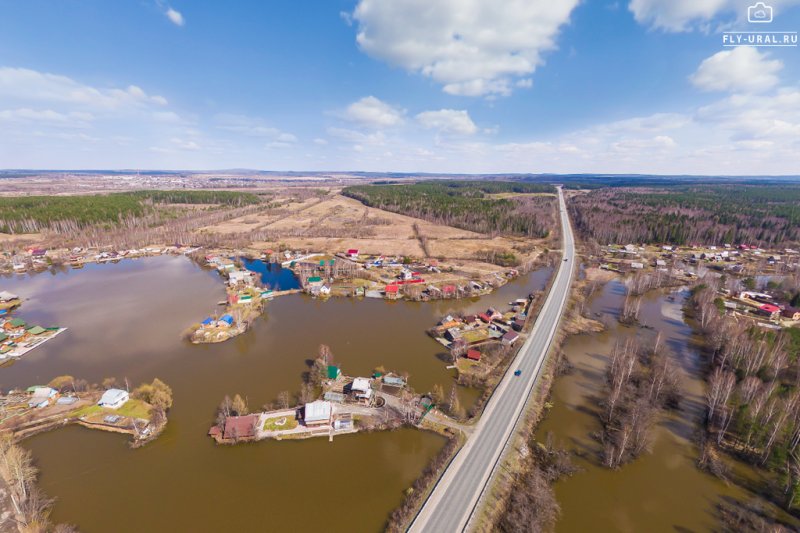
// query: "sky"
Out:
[462,86]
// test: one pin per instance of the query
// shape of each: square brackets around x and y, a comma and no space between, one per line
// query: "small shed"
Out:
[473,355]
[335,397]
[394,381]
[334,372]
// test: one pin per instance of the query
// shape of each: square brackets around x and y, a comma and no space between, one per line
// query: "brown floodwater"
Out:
[125,321]
[662,490]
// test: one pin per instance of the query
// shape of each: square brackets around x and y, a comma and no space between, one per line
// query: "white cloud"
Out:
[373,113]
[320,141]
[175,17]
[750,117]
[448,121]
[252,127]
[471,47]
[168,117]
[25,114]
[286,138]
[660,142]
[685,15]
[21,84]
[742,69]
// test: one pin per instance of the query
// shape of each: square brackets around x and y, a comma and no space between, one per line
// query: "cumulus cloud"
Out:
[685,15]
[470,47]
[742,69]
[448,121]
[30,85]
[175,17]
[373,113]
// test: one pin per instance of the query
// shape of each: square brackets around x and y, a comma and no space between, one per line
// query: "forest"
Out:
[764,215]
[467,204]
[29,214]
[752,395]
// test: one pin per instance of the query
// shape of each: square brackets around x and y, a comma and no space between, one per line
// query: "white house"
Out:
[361,388]
[237,277]
[317,413]
[114,398]
[41,397]
[6,296]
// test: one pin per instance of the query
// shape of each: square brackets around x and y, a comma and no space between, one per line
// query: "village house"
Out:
[510,338]
[362,389]
[6,297]
[42,397]
[792,313]
[238,278]
[240,427]
[494,314]
[392,292]
[352,253]
[317,413]
[452,334]
[473,355]
[113,398]
[772,311]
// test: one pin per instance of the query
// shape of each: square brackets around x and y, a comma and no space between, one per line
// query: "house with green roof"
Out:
[36,330]
[17,323]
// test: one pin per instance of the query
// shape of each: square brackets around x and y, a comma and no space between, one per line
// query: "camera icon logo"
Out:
[760,13]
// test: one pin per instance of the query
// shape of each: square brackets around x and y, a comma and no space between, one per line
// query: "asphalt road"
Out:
[452,502]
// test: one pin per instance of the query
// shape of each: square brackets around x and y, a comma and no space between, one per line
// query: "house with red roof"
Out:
[772,311]
[473,355]
[240,427]
[392,291]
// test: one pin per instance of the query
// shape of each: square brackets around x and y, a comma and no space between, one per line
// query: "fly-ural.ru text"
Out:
[778,38]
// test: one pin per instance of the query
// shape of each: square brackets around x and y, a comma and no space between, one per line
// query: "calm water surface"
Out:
[125,320]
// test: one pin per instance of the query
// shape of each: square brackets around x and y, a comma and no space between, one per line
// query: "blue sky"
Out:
[624,86]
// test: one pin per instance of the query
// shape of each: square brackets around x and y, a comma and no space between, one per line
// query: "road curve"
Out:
[455,497]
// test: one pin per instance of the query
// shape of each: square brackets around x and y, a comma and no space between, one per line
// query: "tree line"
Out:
[753,214]
[467,205]
[31,214]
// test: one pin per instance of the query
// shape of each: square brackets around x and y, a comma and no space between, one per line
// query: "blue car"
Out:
[518,373]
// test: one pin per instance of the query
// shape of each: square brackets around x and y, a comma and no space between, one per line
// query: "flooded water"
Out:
[125,320]
[272,275]
[659,491]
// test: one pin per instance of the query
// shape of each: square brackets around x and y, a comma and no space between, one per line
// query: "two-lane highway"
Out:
[456,495]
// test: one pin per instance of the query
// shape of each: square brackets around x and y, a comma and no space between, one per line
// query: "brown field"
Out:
[336,224]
